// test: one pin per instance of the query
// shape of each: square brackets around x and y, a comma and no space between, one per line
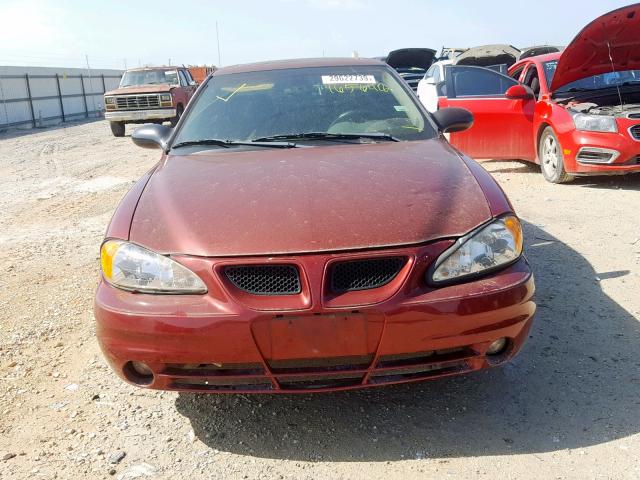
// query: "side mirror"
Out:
[519,92]
[453,119]
[152,136]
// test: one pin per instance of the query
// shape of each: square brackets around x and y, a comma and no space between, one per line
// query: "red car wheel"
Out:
[551,158]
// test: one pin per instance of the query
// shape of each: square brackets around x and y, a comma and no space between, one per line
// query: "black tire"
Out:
[552,158]
[174,120]
[117,128]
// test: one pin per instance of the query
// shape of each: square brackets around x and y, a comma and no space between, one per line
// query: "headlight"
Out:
[595,123]
[133,268]
[109,100]
[165,97]
[496,245]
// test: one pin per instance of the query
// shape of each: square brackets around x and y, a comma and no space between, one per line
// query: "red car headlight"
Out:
[490,247]
[134,268]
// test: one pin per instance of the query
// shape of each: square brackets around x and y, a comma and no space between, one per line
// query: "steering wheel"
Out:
[349,114]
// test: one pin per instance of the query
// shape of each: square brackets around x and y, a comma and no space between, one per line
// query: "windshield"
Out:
[149,77]
[335,100]
[595,82]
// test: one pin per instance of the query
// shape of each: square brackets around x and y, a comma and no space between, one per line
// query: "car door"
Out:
[503,127]
[184,87]
[427,88]
[192,85]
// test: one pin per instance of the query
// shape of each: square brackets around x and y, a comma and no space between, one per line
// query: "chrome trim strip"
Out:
[614,155]
[123,116]
[633,137]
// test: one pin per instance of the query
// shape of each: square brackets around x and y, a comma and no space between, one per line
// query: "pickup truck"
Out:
[148,95]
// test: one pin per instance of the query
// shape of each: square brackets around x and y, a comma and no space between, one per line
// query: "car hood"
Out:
[411,58]
[528,52]
[488,55]
[285,201]
[140,89]
[608,43]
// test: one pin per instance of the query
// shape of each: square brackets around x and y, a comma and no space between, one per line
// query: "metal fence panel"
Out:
[15,112]
[13,88]
[44,96]
[73,106]
[45,109]
[42,87]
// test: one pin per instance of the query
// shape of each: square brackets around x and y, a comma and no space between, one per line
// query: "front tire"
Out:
[117,128]
[552,158]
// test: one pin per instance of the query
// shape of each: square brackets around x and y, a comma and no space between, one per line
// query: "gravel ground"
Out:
[567,407]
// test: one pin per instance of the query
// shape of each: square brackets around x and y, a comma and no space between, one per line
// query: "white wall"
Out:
[13,85]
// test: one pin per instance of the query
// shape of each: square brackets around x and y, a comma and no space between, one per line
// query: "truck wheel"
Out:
[174,120]
[117,128]
[552,158]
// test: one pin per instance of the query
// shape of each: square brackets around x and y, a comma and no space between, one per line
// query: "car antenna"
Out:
[613,69]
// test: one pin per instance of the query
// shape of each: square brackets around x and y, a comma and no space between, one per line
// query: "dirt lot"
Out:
[567,407]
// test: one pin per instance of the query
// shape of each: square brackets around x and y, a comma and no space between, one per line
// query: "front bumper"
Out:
[140,115]
[220,342]
[624,148]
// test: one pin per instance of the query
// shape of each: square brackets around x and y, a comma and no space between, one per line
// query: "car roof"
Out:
[546,57]
[170,67]
[537,59]
[297,63]
[447,61]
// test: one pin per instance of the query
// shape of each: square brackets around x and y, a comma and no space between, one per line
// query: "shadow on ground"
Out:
[576,384]
[521,167]
[511,166]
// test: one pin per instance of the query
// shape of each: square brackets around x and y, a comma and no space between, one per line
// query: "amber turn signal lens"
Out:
[107,252]
[514,226]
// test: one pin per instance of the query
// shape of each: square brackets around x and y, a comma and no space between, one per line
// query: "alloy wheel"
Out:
[550,156]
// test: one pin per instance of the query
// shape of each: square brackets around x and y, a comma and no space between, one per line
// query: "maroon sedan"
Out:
[308,227]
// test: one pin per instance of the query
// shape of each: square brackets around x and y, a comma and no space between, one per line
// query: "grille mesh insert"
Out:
[265,279]
[133,102]
[635,132]
[365,274]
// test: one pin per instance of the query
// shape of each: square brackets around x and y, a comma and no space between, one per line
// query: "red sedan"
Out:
[574,113]
[309,227]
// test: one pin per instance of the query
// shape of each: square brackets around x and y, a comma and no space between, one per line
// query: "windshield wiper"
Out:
[232,143]
[327,136]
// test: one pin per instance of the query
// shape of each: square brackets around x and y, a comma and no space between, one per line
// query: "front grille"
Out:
[265,279]
[313,382]
[244,384]
[313,374]
[635,132]
[365,274]
[335,364]
[418,372]
[137,102]
[431,356]
[213,370]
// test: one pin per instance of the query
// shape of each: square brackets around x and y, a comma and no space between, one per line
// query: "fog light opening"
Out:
[138,372]
[498,347]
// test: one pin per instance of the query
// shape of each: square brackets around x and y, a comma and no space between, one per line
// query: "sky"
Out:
[118,34]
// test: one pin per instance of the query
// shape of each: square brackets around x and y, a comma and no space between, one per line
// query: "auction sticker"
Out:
[348,79]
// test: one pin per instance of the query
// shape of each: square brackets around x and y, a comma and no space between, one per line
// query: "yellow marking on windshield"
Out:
[249,88]
[232,94]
